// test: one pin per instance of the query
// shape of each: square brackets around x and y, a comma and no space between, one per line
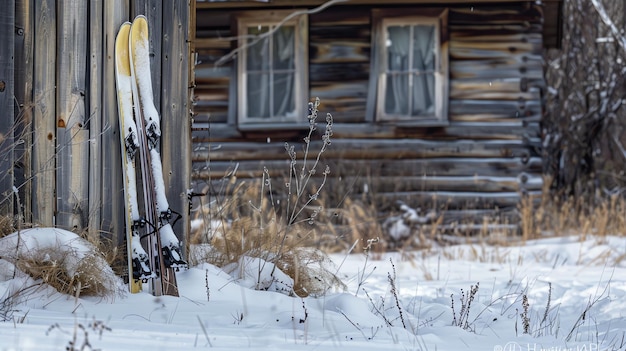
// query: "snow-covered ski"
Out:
[164,248]
[138,263]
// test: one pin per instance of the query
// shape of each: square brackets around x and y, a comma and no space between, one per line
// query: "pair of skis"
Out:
[140,135]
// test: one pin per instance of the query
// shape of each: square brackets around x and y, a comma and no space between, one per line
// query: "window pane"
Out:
[283,50]
[423,92]
[424,48]
[284,104]
[258,95]
[398,42]
[397,94]
[258,57]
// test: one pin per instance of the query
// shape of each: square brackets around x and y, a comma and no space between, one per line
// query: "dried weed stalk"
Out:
[257,222]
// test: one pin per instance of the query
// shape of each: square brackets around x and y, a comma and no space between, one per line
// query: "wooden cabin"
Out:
[437,104]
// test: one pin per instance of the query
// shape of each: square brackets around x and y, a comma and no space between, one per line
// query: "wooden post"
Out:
[72,134]
[44,113]
[95,120]
[175,117]
[24,97]
[7,122]
[116,12]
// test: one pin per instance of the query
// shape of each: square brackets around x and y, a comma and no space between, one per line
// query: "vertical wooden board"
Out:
[116,12]
[7,30]
[192,48]
[44,113]
[95,120]
[175,118]
[24,98]
[72,135]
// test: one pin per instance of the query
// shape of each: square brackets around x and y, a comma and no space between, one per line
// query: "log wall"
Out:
[486,157]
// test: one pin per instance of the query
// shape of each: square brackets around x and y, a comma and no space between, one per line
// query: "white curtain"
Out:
[270,70]
[410,70]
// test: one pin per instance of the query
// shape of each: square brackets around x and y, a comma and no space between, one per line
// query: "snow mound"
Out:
[258,274]
[60,259]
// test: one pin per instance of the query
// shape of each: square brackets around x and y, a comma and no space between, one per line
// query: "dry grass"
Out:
[50,266]
[555,216]
[7,225]
[243,229]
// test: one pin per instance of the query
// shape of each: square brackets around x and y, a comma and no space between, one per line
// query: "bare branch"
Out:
[260,37]
[607,20]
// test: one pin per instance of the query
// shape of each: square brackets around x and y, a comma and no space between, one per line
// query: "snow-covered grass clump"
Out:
[59,258]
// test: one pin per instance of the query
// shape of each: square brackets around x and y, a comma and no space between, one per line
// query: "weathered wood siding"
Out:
[7,90]
[59,127]
[485,158]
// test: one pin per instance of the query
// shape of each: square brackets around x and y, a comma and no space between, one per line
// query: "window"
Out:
[272,67]
[412,71]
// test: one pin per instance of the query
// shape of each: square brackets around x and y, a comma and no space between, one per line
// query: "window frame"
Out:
[382,20]
[245,20]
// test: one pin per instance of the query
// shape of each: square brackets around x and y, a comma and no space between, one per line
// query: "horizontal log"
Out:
[339,72]
[214,43]
[496,107]
[210,105]
[355,185]
[491,28]
[210,169]
[473,130]
[505,85]
[463,50]
[354,15]
[523,182]
[212,30]
[506,47]
[505,130]
[532,95]
[459,200]
[217,93]
[209,73]
[339,51]
[492,69]
[486,36]
[491,118]
[498,15]
[472,53]
[363,149]
[214,116]
[339,29]
[212,56]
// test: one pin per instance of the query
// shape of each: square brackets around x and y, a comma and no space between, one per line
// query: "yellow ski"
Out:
[138,263]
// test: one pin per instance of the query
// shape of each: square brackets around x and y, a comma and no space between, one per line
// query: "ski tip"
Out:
[140,17]
[121,50]
[127,23]
[139,25]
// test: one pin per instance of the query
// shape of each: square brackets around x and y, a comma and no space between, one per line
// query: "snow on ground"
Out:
[574,289]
